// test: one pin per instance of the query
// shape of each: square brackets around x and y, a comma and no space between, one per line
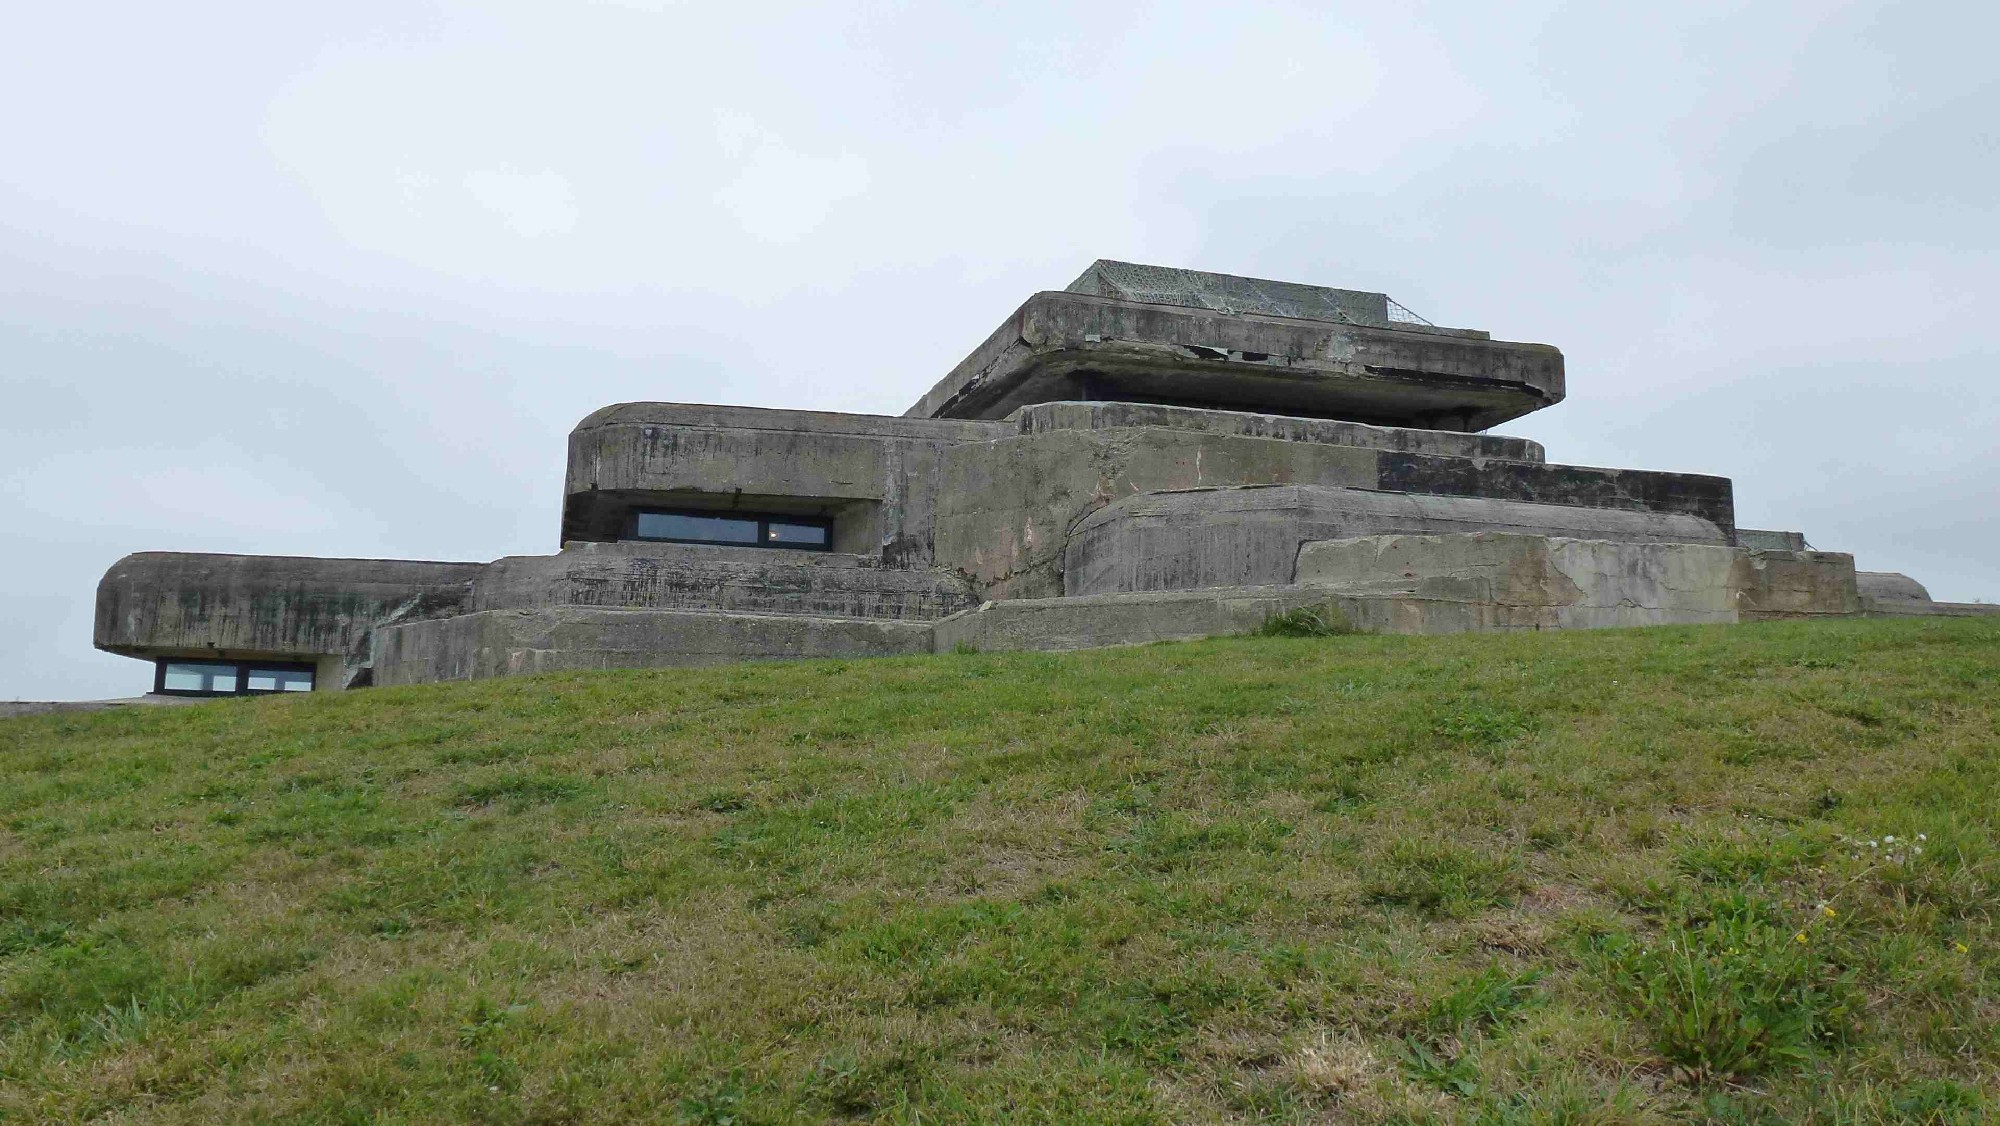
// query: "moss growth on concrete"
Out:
[1739,874]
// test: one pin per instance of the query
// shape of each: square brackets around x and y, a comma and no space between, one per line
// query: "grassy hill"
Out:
[1741,874]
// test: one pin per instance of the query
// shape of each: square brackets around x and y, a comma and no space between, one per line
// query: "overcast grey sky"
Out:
[338,279]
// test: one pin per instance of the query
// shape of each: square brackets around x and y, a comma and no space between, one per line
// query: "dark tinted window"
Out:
[799,533]
[796,535]
[702,529]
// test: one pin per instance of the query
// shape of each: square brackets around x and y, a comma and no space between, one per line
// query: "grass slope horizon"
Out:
[1732,874]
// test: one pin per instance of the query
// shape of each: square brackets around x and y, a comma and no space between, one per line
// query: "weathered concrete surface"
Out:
[1120,619]
[1634,490]
[1228,293]
[513,642]
[1443,584]
[877,477]
[1506,581]
[1888,593]
[1794,584]
[1253,536]
[1890,588]
[248,607]
[1006,507]
[1041,418]
[1493,580]
[1764,539]
[1064,346]
[664,576]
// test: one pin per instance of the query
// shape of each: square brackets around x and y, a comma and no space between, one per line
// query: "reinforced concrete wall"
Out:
[878,478]
[992,499]
[512,642]
[1444,584]
[1008,506]
[664,576]
[1253,536]
[243,607]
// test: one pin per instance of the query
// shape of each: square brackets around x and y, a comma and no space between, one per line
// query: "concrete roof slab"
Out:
[1070,346]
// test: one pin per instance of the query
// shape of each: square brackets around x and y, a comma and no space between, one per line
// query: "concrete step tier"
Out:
[493,643]
[661,576]
[1391,584]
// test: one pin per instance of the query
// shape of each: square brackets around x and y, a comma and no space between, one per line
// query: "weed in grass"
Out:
[1483,725]
[719,1104]
[1731,987]
[1308,621]
[1481,1003]
[1441,1066]
[1442,879]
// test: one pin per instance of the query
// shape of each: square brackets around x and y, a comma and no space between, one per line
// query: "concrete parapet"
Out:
[493,643]
[1765,539]
[1228,293]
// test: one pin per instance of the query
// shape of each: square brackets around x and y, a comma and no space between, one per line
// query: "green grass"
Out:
[1621,876]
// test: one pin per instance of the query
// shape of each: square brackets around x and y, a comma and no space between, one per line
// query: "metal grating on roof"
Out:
[1400,313]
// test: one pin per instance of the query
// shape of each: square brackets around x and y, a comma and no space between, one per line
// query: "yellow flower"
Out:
[1827,911]
[1800,937]
[1961,948]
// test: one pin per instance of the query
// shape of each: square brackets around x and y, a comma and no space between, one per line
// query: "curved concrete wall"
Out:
[1007,506]
[1252,536]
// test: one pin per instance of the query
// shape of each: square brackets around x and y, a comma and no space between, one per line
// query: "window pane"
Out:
[801,535]
[280,680]
[192,676]
[709,529]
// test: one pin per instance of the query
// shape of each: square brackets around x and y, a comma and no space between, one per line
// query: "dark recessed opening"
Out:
[173,677]
[733,529]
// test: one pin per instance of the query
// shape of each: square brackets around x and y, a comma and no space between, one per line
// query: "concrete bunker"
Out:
[1148,453]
